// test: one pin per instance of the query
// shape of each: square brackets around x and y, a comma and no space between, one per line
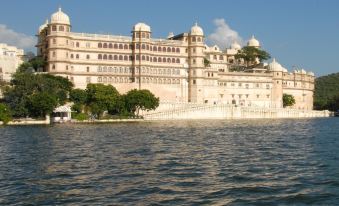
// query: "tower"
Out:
[196,64]
[277,83]
[58,41]
[141,36]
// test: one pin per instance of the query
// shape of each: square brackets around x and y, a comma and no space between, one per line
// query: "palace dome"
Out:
[236,46]
[253,42]
[42,27]
[197,30]
[141,27]
[275,66]
[310,73]
[60,17]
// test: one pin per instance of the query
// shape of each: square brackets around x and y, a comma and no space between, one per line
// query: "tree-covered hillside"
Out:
[326,94]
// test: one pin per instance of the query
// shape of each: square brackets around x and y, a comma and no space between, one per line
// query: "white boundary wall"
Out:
[177,111]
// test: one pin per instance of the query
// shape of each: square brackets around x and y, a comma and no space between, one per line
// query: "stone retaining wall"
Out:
[230,112]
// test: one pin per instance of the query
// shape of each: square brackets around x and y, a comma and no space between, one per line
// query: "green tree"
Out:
[35,64]
[251,54]
[326,90]
[137,100]
[42,104]
[333,104]
[101,98]
[24,85]
[288,100]
[78,96]
[5,113]
[207,62]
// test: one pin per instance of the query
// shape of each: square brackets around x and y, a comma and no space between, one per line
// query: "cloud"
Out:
[223,35]
[12,38]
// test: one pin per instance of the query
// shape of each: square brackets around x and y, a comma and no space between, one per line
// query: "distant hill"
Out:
[326,92]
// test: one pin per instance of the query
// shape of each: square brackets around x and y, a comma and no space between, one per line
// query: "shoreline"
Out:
[32,123]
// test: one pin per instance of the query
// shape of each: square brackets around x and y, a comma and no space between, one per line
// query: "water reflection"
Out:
[171,163]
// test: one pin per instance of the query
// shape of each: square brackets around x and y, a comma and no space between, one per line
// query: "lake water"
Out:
[235,162]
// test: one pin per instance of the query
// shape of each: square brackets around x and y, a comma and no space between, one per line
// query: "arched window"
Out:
[110,45]
[115,57]
[72,56]
[159,49]
[148,36]
[99,45]
[77,44]
[130,46]
[105,56]
[87,56]
[159,59]
[193,39]
[105,45]
[147,58]
[143,46]
[130,57]
[168,49]
[110,57]
[125,46]
[169,60]
[143,35]
[121,46]
[115,46]
[99,56]
[143,57]
[77,56]
[125,58]
[54,28]
[173,60]
[154,48]
[177,50]
[164,59]
[154,59]
[137,46]
[163,49]
[173,49]
[178,60]
[120,57]
[61,28]
[147,47]
[199,39]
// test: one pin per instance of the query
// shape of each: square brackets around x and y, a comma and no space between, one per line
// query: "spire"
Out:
[46,22]
[59,8]
[274,60]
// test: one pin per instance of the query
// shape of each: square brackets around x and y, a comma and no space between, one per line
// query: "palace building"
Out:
[10,59]
[179,68]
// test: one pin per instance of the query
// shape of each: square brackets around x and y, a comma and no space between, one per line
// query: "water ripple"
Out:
[238,162]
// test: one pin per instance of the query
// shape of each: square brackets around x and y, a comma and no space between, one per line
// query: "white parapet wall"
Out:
[178,111]
[29,121]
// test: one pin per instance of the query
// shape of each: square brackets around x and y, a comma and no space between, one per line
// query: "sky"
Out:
[298,33]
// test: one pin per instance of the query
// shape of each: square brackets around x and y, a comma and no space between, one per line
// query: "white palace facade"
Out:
[10,58]
[179,68]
